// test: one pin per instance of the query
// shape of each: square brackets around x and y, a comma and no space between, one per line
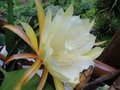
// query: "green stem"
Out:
[10,36]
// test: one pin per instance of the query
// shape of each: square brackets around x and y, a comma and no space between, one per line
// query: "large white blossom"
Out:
[67,45]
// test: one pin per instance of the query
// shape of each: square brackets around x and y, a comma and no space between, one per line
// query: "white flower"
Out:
[68,44]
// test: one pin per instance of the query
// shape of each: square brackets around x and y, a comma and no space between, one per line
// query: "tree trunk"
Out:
[111,55]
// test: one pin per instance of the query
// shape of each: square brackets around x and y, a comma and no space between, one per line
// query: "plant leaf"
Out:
[20,33]
[31,34]
[10,79]
[20,56]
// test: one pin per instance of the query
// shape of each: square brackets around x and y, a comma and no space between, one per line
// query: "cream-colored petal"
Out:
[60,12]
[85,45]
[48,17]
[82,62]
[54,69]
[94,53]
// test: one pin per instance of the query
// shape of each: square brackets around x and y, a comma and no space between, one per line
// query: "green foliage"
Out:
[2,39]
[10,79]
[23,12]
[108,18]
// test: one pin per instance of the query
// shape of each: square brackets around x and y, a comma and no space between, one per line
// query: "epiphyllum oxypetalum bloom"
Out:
[65,46]
[68,45]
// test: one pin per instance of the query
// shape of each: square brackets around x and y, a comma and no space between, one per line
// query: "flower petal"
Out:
[20,56]
[31,34]
[28,75]
[20,33]
[94,53]
[48,17]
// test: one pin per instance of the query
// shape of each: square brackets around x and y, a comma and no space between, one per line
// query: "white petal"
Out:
[60,12]
[65,74]
[85,45]
[82,63]
[48,17]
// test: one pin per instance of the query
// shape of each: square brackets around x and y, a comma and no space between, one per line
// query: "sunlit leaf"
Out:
[20,56]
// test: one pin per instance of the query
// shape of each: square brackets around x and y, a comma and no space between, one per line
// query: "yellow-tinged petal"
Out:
[28,75]
[58,84]
[31,34]
[94,53]
[43,79]
[20,33]
[20,56]
[48,17]
[69,11]
[99,43]
[40,14]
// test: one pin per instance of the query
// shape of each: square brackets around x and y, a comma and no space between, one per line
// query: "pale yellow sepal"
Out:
[20,33]
[58,84]
[42,79]
[31,34]
[28,75]
[95,52]
[69,11]
[41,16]
[99,43]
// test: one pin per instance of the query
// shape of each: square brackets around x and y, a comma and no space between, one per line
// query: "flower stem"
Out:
[58,84]
[43,79]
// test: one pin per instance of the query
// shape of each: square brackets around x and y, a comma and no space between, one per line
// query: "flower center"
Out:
[70,45]
[64,58]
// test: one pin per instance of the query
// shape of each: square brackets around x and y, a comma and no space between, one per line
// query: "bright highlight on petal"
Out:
[20,56]
[31,34]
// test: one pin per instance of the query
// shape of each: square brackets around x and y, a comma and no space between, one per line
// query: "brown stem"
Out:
[102,69]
